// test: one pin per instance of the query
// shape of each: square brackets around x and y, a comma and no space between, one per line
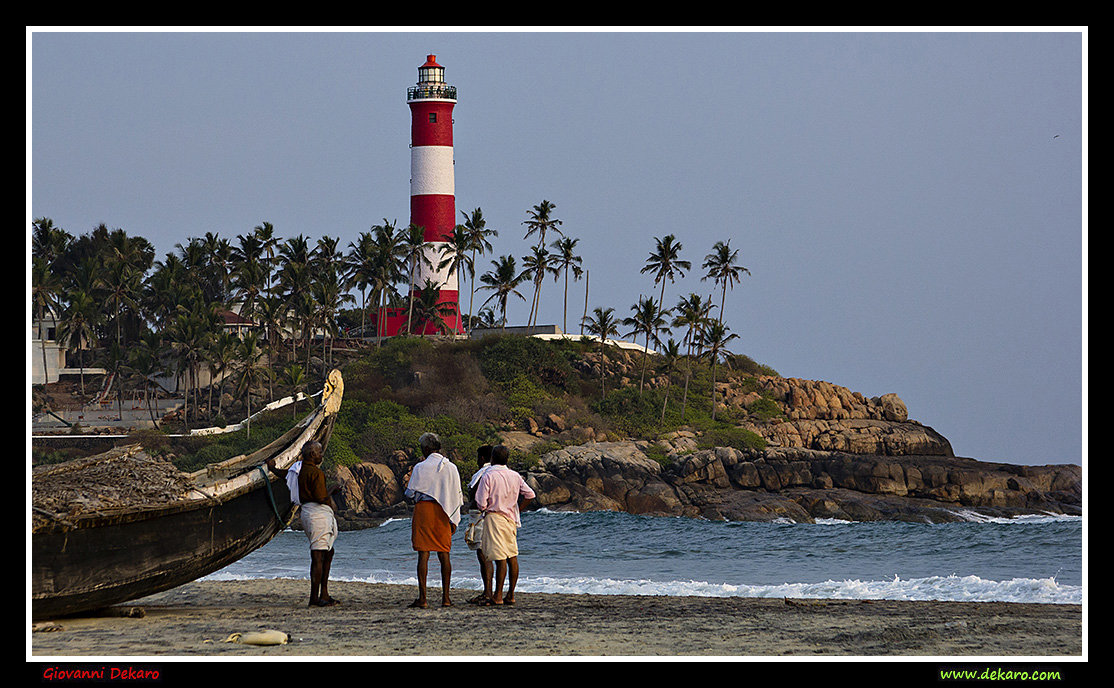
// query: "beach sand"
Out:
[373,620]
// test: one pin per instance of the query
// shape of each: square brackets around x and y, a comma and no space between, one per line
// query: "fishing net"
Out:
[119,479]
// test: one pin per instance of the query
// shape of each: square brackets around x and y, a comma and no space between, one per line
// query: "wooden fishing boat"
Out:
[87,559]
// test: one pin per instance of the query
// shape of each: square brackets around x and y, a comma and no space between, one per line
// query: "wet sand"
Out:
[373,620]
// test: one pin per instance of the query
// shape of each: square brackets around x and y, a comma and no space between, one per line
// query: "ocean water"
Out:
[1027,559]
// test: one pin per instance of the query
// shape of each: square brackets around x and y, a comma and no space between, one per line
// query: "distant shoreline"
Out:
[373,620]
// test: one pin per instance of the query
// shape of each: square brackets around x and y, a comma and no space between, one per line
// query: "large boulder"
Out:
[367,487]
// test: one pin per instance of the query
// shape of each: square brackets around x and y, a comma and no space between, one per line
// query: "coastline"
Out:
[194,620]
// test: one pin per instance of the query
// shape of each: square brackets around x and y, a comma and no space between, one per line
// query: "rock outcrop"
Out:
[830,453]
[724,483]
[799,485]
[815,414]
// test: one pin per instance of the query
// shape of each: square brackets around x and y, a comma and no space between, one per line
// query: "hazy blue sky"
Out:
[911,205]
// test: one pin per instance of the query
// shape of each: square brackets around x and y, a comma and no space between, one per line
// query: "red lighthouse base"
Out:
[394,321]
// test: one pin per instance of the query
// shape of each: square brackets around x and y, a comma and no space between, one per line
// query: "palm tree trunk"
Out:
[643,378]
[722,301]
[603,374]
[472,293]
[713,385]
[410,310]
[42,342]
[363,306]
[585,303]
[147,396]
[688,374]
[565,308]
[669,386]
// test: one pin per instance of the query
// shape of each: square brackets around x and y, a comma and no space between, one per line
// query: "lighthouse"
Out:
[432,186]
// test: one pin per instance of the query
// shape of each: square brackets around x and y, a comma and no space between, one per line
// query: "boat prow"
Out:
[87,558]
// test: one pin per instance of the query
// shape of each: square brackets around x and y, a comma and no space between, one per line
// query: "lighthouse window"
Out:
[433,118]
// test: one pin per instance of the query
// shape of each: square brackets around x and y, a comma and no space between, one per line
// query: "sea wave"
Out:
[938,588]
[1046,517]
[932,588]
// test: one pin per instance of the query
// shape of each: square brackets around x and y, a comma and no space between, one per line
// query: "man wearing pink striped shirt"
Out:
[501,494]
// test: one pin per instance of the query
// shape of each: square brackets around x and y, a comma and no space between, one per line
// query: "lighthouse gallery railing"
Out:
[420,92]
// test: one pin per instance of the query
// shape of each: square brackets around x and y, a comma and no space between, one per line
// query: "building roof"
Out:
[231,318]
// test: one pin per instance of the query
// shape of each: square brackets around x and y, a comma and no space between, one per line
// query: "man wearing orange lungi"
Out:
[435,488]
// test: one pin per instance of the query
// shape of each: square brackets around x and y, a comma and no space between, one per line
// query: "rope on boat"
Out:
[270,495]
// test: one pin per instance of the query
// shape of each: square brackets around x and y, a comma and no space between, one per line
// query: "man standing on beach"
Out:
[318,514]
[501,493]
[483,454]
[435,488]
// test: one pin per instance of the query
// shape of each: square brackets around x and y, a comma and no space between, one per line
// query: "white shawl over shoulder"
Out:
[438,478]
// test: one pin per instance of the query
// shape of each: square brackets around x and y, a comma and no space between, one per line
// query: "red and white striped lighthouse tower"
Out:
[432,186]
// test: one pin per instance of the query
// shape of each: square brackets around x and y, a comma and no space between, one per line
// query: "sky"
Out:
[911,205]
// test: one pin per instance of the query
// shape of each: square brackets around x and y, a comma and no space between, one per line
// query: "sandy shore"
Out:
[195,620]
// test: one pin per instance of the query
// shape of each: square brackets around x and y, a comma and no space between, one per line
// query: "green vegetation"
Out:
[267,317]
[409,386]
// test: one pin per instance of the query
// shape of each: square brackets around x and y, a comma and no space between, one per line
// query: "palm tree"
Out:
[386,269]
[270,314]
[602,324]
[456,255]
[250,274]
[146,361]
[716,340]
[541,222]
[567,261]
[221,356]
[486,319]
[359,268]
[135,251]
[265,238]
[413,247]
[125,284]
[671,353]
[692,314]
[295,376]
[122,283]
[665,263]
[78,327]
[721,267]
[503,280]
[45,290]
[189,334]
[327,254]
[295,278]
[198,267]
[47,241]
[166,289]
[113,357]
[429,309]
[251,371]
[647,318]
[535,267]
[219,254]
[329,297]
[476,228]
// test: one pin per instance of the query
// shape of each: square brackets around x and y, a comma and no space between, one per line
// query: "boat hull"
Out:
[109,560]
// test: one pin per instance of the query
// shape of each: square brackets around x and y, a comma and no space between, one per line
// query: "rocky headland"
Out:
[829,453]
